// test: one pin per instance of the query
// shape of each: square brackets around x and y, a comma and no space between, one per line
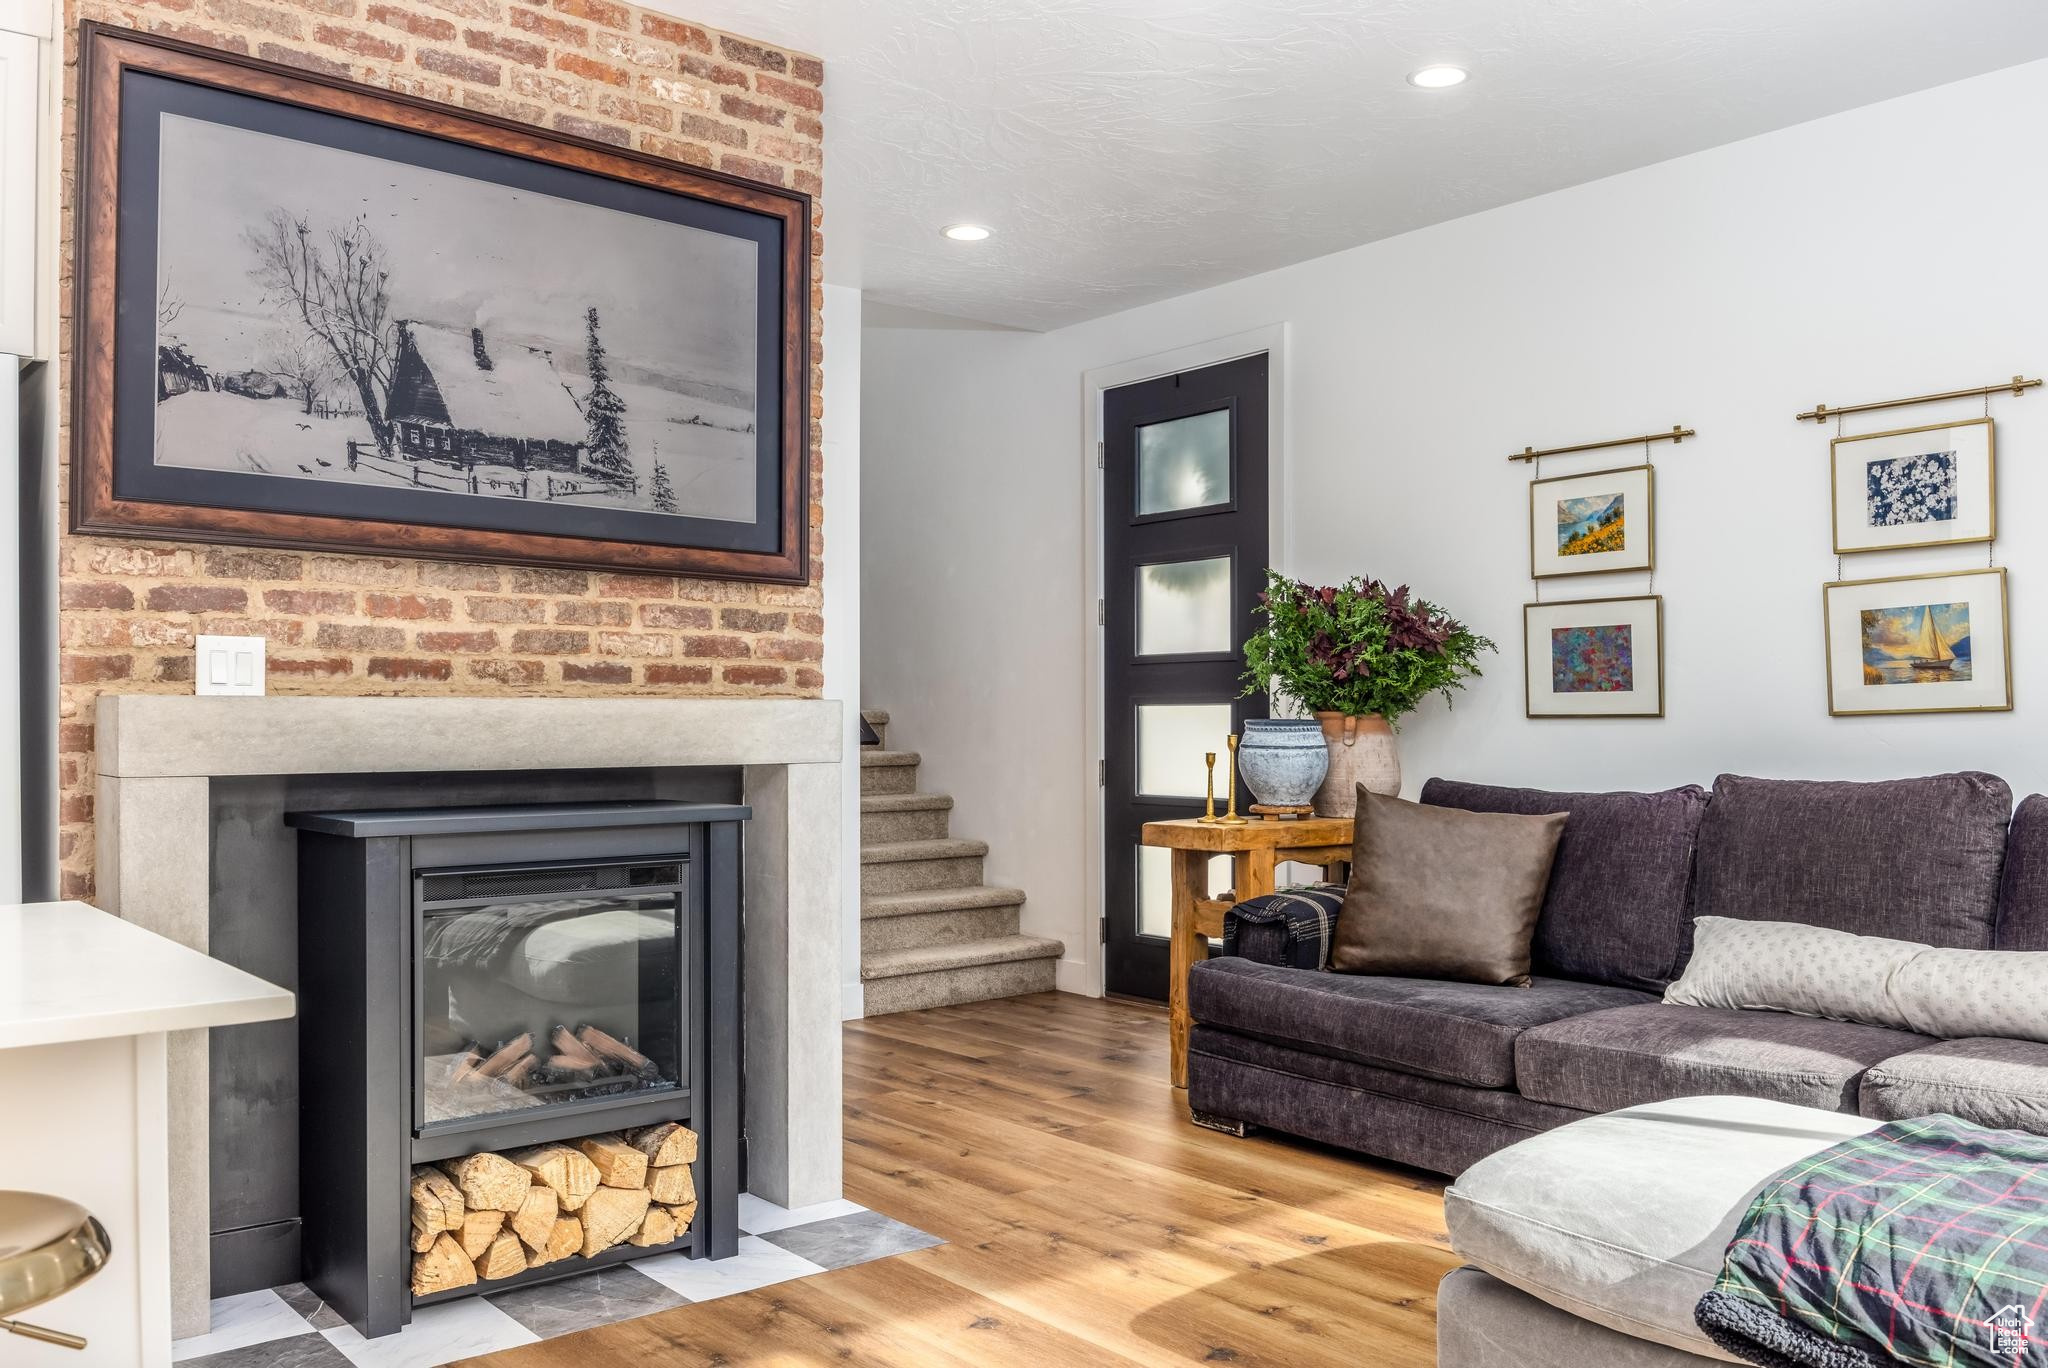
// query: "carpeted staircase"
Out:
[931,933]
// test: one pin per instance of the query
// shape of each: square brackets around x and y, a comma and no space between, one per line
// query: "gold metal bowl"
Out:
[47,1247]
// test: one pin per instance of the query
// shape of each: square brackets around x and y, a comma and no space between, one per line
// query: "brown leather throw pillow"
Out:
[1442,893]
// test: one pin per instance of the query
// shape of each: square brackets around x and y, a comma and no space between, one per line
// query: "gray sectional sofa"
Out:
[1439,1074]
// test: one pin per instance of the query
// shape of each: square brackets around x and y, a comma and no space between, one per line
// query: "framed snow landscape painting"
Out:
[1921,486]
[421,331]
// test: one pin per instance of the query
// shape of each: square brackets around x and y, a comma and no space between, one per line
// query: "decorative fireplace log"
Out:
[437,1206]
[658,1228]
[489,1182]
[442,1268]
[610,1216]
[502,1259]
[535,1219]
[572,1176]
[665,1144]
[619,1165]
[479,1228]
[672,1185]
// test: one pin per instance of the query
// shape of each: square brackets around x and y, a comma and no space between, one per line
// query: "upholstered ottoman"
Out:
[1591,1243]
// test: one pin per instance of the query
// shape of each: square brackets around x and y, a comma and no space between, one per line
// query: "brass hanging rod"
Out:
[1675,436]
[2016,386]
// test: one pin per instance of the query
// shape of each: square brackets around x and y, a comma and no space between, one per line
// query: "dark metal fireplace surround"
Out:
[407,921]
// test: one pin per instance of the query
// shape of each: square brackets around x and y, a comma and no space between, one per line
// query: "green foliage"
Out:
[1357,648]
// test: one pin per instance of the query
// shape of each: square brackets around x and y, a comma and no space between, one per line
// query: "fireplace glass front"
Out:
[545,986]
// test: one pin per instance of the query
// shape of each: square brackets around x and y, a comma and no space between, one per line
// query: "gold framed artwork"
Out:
[1918,486]
[1594,657]
[1932,643]
[1593,524]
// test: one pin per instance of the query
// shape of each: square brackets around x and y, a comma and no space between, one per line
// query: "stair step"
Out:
[887,771]
[923,930]
[971,971]
[876,717]
[925,901]
[890,817]
[906,866]
[965,955]
[897,852]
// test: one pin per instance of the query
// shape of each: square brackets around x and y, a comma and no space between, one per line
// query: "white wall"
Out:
[840,437]
[1888,251]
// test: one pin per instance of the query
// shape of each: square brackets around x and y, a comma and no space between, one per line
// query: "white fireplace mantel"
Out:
[157,755]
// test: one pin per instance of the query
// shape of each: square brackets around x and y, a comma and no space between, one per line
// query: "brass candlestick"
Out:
[1209,759]
[1230,782]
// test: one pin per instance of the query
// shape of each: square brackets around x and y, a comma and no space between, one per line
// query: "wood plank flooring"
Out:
[1087,1220]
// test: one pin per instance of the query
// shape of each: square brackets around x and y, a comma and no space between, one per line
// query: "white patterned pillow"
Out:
[1812,971]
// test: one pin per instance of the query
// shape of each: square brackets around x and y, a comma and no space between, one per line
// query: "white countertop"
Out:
[72,972]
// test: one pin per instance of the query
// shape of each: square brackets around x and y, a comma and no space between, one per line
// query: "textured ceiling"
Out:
[1129,150]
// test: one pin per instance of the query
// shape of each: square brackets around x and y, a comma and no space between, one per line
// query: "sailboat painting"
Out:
[1938,643]
[1926,643]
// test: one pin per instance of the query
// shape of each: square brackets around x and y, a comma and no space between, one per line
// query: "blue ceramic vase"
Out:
[1283,760]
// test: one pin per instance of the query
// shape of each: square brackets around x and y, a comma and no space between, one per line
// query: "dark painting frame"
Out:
[127,79]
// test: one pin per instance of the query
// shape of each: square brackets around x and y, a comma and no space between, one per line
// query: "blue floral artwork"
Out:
[1592,659]
[1912,489]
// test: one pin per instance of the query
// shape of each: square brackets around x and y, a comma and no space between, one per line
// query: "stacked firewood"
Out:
[492,1215]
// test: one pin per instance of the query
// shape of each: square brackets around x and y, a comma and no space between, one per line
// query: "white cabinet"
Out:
[20,103]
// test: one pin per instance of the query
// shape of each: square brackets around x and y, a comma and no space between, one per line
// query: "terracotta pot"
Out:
[1362,751]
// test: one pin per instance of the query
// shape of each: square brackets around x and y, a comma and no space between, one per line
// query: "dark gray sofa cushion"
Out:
[1442,1127]
[1913,859]
[1631,1055]
[1993,1082]
[1456,1032]
[2023,891]
[1616,909]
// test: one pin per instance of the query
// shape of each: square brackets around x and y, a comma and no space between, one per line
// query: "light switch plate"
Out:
[229,665]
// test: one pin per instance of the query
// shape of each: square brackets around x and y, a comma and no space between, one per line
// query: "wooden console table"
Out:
[1255,850]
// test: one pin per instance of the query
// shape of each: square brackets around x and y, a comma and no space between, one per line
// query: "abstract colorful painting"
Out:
[1904,490]
[1592,659]
[1589,525]
[1924,643]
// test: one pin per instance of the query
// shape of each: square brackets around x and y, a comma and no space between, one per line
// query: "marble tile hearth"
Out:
[288,1327]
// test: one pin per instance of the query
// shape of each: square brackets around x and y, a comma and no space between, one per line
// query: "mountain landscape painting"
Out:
[1592,524]
[350,319]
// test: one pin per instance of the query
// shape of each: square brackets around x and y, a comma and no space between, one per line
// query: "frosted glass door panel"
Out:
[1172,738]
[1155,888]
[1184,463]
[1184,607]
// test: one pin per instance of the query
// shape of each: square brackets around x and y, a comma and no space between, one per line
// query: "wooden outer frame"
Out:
[2004,626]
[1528,692]
[1835,446]
[1649,474]
[105,53]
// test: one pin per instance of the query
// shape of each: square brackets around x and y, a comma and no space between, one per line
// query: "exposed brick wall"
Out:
[374,625]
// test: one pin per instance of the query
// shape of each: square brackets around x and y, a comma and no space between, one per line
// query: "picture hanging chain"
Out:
[1651,587]
[1838,437]
[1535,475]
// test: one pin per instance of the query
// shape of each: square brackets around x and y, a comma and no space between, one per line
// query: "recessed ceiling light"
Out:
[968,232]
[1437,77]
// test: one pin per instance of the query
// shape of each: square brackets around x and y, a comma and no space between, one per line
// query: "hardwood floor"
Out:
[1087,1220]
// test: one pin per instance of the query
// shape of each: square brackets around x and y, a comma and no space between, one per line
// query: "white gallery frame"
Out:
[1086,975]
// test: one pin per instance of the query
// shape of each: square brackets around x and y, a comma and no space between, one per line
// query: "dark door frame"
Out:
[1272,340]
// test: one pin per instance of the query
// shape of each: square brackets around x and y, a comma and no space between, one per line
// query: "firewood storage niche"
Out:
[504,992]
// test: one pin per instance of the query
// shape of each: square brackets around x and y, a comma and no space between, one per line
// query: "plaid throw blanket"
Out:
[1922,1243]
[1306,914]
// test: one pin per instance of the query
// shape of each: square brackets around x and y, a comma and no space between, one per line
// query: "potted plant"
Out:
[1359,656]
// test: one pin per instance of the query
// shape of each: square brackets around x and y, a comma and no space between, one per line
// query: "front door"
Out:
[1184,558]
